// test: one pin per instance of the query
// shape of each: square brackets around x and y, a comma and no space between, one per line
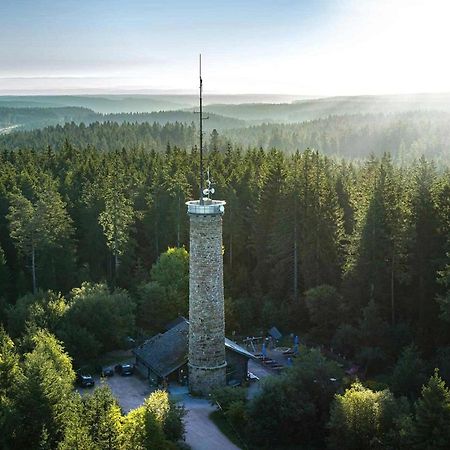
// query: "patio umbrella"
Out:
[296,345]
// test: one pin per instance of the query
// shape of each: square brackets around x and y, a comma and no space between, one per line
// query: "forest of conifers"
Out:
[406,136]
[351,255]
[374,230]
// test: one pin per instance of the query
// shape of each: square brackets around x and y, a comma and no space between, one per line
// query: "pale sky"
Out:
[317,47]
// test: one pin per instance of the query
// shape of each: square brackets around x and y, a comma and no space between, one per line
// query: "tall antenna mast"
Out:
[201,130]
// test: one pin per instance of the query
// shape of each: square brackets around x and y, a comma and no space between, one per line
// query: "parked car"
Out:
[107,372]
[85,380]
[124,369]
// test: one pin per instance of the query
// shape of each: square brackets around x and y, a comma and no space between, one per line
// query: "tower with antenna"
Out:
[206,358]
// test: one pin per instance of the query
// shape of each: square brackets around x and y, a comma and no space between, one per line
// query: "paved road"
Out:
[201,433]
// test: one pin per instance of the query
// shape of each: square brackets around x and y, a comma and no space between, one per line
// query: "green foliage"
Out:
[101,414]
[76,431]
[237,414]
[166,296]
[427,240]
[408,375]
[442,362]
[38,225]
[42,310]
[292,409]
[376,230]
[431,428]
[346,339]
[227,395]
[4,273]
[154,311]
[143,427]
[96,422]
[372,332]
[362,418]
[444,299]
[39,408]
[292,223]
[324,304]
[97,320]
[91,321]
[116,218]
[10,370]
[44,391]
[171,271]
[10,377]
[174,427]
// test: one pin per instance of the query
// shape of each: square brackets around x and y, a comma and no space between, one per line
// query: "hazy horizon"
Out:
[317,49]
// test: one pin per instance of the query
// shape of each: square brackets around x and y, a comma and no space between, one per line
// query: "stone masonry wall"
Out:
[206,304]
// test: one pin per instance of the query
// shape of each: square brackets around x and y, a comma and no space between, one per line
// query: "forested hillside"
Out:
[350,255]
[33,118]
[375,231]
[316,108]
[135,103]
[406,136]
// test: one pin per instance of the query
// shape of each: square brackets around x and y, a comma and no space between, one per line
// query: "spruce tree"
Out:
[432,421]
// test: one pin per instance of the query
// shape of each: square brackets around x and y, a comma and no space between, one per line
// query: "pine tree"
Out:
[444,299]
[10,377]
[427,250]
[116,219]
[432,420]
[37,225]
[44,391]
[382,238]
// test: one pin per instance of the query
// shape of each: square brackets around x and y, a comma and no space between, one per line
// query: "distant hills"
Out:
[406,136]
[348,127]
[28,112]
[135,103]
[15,119]
[311,109]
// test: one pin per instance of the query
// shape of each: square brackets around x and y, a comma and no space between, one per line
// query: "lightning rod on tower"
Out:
[201,130]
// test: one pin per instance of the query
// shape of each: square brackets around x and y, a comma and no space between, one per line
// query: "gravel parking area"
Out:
[130,391]
[201,433]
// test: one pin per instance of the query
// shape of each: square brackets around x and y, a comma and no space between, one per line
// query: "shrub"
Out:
[228,395]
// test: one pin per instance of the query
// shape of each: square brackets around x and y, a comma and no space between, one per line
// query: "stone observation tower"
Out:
[206,304]
[206,357]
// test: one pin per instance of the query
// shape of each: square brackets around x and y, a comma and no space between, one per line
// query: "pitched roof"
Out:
[166,352]
[231,345]
[175,322]
[275,333]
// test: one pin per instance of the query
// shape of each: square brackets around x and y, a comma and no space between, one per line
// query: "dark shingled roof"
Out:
[175,322]
[164,353]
